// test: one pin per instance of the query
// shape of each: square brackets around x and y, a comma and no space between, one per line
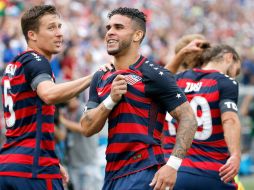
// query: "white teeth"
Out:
[111,41]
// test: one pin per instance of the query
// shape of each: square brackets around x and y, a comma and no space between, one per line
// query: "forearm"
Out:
[93,120]
[186,130]
[71,125]
[232,135]
[174,65]
[57,93]
[245,104]
[60,134]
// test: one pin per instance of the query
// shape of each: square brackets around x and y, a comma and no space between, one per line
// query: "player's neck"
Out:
[214,66]
[123,62]
[47,56]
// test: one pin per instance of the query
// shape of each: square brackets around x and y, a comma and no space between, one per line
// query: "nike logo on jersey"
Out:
[193,87]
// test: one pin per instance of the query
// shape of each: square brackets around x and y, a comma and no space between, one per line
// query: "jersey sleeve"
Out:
[228,89]
[93,101]
[37,69]
[161,86]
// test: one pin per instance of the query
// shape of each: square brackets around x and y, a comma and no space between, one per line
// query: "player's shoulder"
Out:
[31,56]
[225,80]
[151,69]
[101,75]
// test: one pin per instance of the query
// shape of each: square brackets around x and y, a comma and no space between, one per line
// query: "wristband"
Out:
[174,162]
[109,103]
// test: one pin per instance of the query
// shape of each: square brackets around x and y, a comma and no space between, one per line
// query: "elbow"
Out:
[86,130]
[48,99]
[87,133]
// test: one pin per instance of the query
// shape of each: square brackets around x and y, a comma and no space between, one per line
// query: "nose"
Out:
[110,31]
[59,32]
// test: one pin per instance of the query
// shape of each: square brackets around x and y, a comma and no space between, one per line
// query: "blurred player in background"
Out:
[28,159]
[214,157]
[82,151]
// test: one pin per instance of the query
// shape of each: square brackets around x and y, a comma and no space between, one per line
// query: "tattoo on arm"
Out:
[87,117]
[186,130]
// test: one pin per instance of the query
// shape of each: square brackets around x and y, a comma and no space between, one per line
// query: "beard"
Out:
[121,47]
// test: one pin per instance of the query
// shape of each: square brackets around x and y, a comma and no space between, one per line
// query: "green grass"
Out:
[248,182]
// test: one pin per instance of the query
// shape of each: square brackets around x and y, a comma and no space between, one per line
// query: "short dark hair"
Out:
[216,52]
[138,16]
[31,18]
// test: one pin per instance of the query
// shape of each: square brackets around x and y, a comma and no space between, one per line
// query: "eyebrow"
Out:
[116,25]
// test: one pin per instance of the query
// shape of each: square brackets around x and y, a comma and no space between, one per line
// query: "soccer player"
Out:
[134,98]
[214,157]
[27,159]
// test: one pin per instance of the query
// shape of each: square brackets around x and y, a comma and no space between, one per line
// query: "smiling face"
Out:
[119,36]
[49,38]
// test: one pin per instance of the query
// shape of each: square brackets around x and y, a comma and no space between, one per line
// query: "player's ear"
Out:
[31,35]
[138,35]
[228,57]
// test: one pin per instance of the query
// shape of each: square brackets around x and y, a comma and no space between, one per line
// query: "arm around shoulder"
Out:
[52,93]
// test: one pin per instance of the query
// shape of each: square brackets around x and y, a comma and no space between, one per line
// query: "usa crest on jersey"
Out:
[132,79]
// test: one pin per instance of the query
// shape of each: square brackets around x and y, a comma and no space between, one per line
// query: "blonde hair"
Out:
[191,60]
[186,39]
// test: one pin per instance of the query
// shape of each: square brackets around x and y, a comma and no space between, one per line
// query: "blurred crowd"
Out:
[220,21]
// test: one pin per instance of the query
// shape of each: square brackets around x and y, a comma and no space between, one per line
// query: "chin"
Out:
[113,52]
[56,51]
